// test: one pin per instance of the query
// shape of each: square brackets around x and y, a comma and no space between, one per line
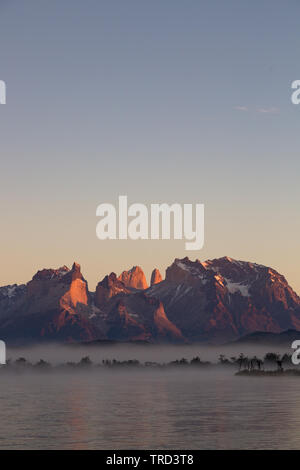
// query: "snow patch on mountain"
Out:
[234,287]
[11,290]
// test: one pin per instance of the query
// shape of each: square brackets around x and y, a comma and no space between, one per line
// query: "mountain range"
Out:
[215,301]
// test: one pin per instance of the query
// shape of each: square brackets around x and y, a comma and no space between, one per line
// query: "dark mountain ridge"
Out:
[215,301]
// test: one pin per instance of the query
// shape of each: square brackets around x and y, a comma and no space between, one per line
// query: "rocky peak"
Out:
[135,278]
[76,266]
[155,277]
[109,280]
[62,286]
[47,274]
[223,270]
[12,292]
[76,271]
[253,275]
[185,271]
[109,287]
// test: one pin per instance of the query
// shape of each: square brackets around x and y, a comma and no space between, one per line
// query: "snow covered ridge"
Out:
[220,264]
[11,290]
[235,276]
[60,272]
[214,301]
[51,273]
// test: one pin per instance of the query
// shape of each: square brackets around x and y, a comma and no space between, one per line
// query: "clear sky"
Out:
[163,101]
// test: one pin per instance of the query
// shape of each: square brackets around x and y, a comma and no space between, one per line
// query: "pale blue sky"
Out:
[143,98]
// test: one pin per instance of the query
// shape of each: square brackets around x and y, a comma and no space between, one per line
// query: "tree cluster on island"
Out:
[243,365]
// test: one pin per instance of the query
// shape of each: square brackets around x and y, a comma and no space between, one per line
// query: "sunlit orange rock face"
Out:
[54,307]
[109,287]
[139,317]
[215,301]
[155,277]
[72,317]
[77,292]
[223,299]
[130,315]
[135,278]
[164,326]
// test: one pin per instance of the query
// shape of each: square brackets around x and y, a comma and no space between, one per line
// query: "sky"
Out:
[162,101]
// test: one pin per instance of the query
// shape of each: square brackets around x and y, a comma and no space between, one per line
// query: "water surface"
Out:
[179,409]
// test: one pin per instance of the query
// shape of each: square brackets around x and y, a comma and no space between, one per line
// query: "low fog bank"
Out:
[58,353]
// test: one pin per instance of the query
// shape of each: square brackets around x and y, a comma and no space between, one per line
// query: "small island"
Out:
[272,364]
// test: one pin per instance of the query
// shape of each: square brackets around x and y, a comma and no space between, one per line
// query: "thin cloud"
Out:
[240,108]
[271,110]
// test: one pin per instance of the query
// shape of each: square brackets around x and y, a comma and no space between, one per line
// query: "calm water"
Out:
[149,409]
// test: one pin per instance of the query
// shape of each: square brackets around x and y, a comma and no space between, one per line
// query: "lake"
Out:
[148,409]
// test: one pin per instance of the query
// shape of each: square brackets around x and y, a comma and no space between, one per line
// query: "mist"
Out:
[58,353]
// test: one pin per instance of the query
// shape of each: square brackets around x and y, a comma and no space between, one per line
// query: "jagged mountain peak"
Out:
[109,287]
[63,274]
[226,267]
[109,280]
[76,267]
[49,273]
[224,297]
[12,291]
[135,278]
[185,270]
[215,300]
[155,277]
